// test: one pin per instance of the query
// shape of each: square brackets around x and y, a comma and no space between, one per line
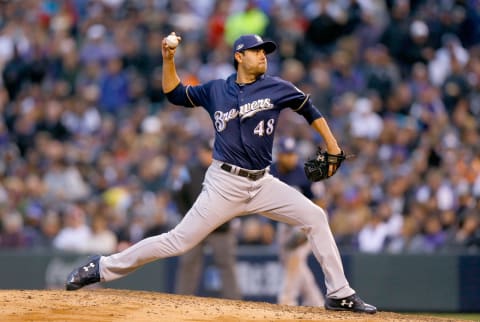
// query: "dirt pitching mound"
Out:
[121,305]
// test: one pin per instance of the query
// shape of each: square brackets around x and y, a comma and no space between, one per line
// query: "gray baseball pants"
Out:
[225,196]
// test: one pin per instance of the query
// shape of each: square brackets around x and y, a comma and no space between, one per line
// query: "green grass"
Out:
[457,316]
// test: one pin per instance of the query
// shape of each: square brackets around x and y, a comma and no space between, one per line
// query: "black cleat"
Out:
[351,303]
[84,275]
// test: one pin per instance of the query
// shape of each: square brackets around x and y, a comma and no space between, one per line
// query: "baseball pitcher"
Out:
[244,109]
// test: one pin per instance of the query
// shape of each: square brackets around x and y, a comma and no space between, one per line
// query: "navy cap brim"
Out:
[268,46]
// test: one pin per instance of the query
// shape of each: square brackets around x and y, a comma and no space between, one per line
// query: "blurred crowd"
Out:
[90,148]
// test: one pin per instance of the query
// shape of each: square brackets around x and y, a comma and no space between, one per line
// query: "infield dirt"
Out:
[102,305]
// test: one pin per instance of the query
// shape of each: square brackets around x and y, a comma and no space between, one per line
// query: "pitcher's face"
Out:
[253,61]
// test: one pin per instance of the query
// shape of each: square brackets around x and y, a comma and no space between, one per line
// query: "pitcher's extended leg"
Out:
[221,199]
[290,206]
[209,211]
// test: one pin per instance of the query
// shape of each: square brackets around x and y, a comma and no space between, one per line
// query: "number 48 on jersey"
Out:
[263,127]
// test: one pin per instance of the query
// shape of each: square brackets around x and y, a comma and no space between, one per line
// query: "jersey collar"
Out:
[234,77]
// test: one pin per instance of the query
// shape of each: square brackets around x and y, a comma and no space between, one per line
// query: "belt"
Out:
[252,175]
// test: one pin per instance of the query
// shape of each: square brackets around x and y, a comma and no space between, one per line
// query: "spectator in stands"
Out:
[24,126]
[349,216]
[346,76]
[328,22]
[97,46]
[394,35]
[51,122]
[251,20]
[373,236]
[254,230]
[163,217]
[393,220]
[440,66]
[320,78]
[455,88]
[12,234]
[418,81]
[75,234]
[437,191]
[467,237]
[102,240]
[216,23]
[68,66]
[364,122]
[114,87]
[408,239]
[82,117]
[50,226]
[429,110]
[433,238]
[14,74]
[418,46]
[382,75]
[64,182]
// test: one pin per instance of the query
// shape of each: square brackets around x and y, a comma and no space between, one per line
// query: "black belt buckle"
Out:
[255,175]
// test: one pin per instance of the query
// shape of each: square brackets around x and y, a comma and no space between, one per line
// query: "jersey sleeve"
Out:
[189,96]
[298,101]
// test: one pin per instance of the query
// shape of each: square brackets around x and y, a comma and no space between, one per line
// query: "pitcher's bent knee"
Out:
[316,215]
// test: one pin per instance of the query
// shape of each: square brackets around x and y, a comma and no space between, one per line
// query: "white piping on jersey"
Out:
[303,104]
[188,96]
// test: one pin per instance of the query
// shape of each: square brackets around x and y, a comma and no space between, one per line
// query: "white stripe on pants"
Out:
[224,196]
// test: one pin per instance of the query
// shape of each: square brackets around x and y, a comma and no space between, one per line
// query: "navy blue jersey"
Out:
[295,178]
[245,116]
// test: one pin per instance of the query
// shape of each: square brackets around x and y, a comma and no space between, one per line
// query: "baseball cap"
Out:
[253,41]
[286,145]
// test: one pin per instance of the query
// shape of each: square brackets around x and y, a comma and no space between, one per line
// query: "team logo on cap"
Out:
[240,46]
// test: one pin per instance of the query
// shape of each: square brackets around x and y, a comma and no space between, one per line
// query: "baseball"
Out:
[172,41]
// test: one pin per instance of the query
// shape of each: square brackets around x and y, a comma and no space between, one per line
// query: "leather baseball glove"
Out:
[317,168]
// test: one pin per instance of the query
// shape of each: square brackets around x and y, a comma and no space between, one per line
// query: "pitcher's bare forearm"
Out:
[170,78]
[322,127]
